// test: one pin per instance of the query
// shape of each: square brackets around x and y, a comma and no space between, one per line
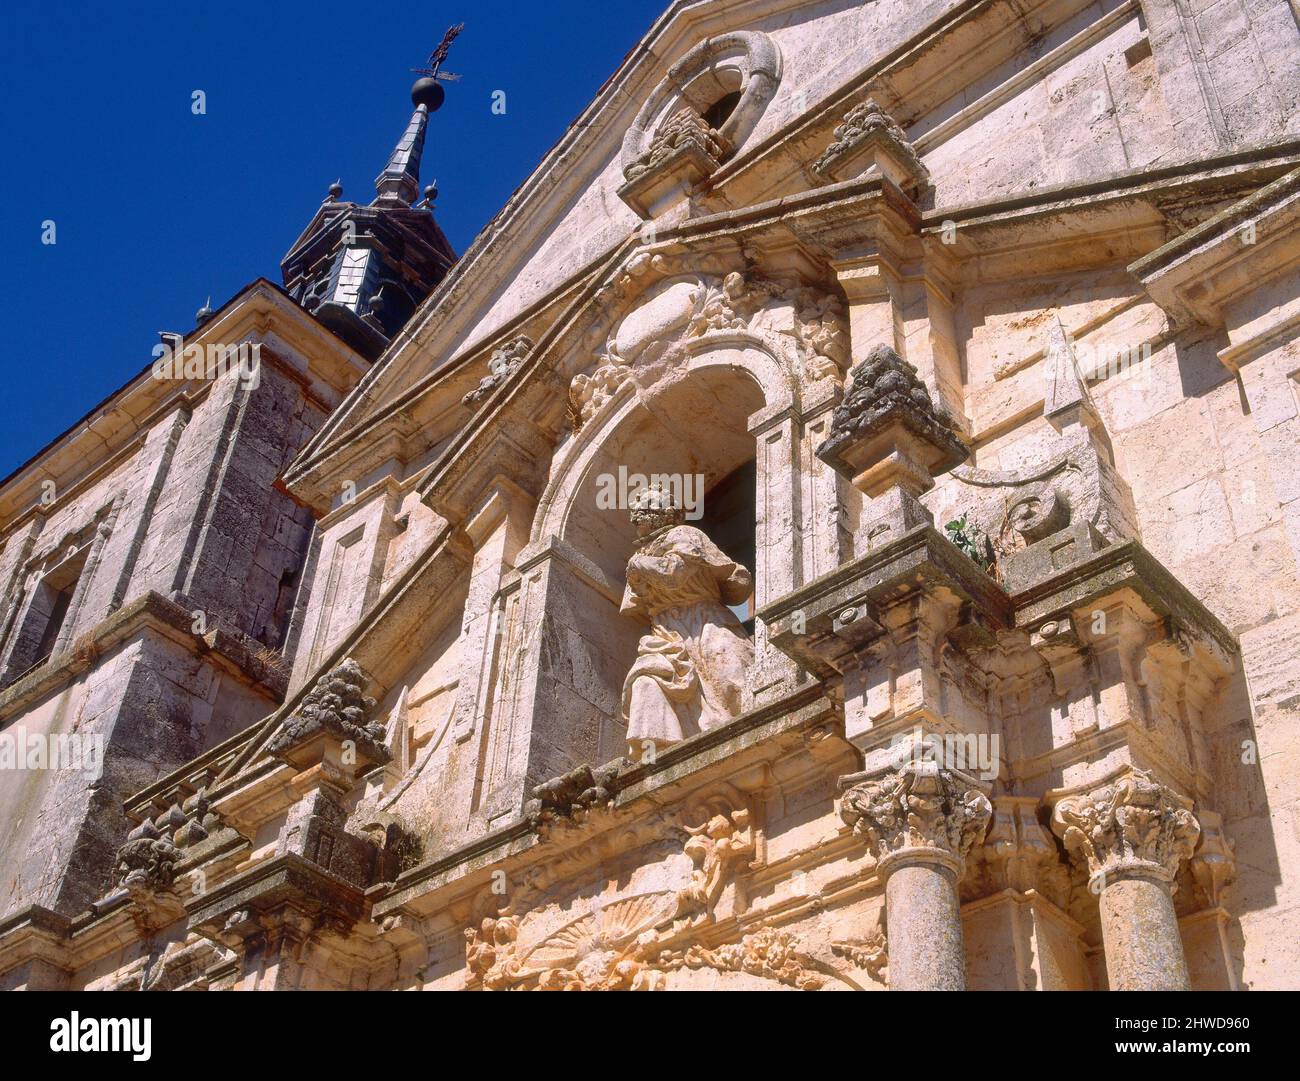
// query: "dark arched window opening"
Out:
[716,114]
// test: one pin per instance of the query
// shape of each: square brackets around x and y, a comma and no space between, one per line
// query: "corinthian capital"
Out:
[918,810]
[1133,825]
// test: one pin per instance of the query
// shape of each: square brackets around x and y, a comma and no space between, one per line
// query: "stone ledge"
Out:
[1124,565]
[150,611]
[286,880]
[919,556]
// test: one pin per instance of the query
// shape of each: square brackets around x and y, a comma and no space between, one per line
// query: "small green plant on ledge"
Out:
[971,541]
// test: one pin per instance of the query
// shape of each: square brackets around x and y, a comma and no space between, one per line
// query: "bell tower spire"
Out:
[362,270]
[399,183]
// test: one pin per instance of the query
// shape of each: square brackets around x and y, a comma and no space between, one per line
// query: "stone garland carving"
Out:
[607,953]
[690,671]
[816,323]
[504,362]
[769,952]
[1133,824]
[861,122]
[490,952]
[336,704]
[919,806]
[682,131]
[885,388]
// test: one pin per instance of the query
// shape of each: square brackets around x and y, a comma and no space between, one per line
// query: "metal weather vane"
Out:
[433,70]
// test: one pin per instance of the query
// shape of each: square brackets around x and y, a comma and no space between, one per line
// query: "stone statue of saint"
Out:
[691,668]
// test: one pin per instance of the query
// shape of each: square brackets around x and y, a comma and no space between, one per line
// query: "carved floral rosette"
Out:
[918,811]
[1133,826]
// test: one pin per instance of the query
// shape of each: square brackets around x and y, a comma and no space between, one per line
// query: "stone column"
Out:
[920,822]
[1131,835]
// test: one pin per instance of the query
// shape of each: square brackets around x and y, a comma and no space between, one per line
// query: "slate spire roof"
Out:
[362,270]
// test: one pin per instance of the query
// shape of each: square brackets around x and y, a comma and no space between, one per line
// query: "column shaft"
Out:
[1139,928]
[926,950]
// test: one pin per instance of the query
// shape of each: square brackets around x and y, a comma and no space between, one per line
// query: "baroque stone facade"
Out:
[836,529]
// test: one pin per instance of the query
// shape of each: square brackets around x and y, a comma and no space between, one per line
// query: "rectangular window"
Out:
[38,634]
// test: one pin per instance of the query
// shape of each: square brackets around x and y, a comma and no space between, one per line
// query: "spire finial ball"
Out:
[429,93]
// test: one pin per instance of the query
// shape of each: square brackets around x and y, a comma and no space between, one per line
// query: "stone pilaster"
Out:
[1131,835]
[920,822]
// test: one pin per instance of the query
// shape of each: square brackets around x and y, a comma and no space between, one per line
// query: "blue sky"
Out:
[156,208]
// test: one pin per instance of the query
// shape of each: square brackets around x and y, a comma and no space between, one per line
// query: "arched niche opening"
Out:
[692,432]
[691,427]
[729,80]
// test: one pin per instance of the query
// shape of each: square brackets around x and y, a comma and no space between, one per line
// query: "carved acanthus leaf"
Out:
[1132,824]
[918,806]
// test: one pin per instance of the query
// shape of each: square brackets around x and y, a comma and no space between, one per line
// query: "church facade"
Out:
[836,528]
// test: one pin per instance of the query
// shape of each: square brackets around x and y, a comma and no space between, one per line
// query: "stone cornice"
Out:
[1196,275]
[1120,566]
[149,612]
[261,309]
[839,608]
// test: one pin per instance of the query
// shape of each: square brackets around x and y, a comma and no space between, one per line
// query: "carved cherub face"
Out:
[654,508]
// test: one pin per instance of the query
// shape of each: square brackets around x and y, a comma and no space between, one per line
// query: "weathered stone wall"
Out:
[168,647]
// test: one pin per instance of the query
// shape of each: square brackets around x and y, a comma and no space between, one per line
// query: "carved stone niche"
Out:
[696,117]
[868,139]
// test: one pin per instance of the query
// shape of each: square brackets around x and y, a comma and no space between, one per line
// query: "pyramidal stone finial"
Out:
[888,438]
[1067,401]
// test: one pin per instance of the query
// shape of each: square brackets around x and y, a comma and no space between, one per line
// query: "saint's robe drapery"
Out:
[690,669]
